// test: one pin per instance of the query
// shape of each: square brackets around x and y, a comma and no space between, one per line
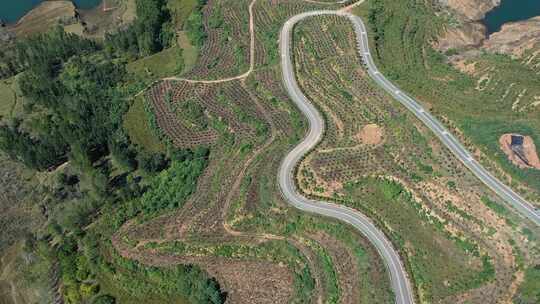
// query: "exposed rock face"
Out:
[470,33]
[515,38]
[466,36]
[518,39]
[471,10]
[42,17]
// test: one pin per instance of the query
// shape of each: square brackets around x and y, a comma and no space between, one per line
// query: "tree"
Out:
[104,299]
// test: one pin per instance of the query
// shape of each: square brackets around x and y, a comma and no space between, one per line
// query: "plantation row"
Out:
[193,114]
[225,52]
[343,168]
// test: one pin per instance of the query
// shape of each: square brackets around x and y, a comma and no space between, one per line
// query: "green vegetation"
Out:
[189,51]
[194,25]
[496,207]
[529,291]
[137,124]
[166,63]
[274,251]
[403,32]
[86,255]
[192,113]
[8,99]
[180,10]
[332,287]
[486,131]
[76,108]
[152,31]
[431,262]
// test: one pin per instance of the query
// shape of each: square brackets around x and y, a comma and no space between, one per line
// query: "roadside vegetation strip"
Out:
[399,281]
[251,56]
[513,199]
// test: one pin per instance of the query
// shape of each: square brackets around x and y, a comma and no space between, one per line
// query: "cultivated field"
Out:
[377,158]
[203,143]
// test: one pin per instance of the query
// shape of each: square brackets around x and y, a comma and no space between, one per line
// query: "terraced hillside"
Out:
[180,203]
[377,158]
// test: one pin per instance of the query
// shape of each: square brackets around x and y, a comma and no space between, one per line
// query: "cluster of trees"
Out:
[79,249]
[34,152]
[194,25]
[152,31]
[45,52]
[76,94]
[169,189]
[74,98]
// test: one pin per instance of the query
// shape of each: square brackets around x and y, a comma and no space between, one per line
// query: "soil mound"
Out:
[370,134]
[520,150]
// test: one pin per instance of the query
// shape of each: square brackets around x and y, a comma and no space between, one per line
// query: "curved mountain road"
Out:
[511,198]
[400,283]
[398,276]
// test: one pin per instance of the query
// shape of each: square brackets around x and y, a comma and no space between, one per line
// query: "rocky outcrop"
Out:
[45,15]
[515,38]
[466,36]
[469,33]
[471,10]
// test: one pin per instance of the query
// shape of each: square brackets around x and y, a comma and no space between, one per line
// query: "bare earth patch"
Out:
[370,134]
[521,150]
[44,16]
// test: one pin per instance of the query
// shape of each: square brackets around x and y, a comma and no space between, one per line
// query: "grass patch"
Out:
[190,52]
[181,9]
[7,98]
[138,127]
[496,207]
[109,286]
[529,291]
[487,133]
[439,262]
[166,63]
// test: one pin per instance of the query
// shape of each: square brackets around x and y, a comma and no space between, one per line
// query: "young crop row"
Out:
[343,168]
[225,52]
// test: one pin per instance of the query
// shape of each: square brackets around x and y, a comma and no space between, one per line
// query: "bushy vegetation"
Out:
[43,53]
[529,291]
[152,31]
[167,190]
[194,25]
[85,256]
[76,97]
[74,94]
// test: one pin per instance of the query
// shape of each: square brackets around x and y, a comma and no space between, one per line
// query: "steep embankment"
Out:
[468,33]
[44,16]
[515,38]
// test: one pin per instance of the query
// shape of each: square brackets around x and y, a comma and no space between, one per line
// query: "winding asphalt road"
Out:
[513,199]
[398,276]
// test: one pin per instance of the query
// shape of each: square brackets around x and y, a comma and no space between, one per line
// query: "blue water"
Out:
[13,10]
[510,11]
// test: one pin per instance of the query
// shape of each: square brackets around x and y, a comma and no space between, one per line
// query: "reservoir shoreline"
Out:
[510,11]
[13,11]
